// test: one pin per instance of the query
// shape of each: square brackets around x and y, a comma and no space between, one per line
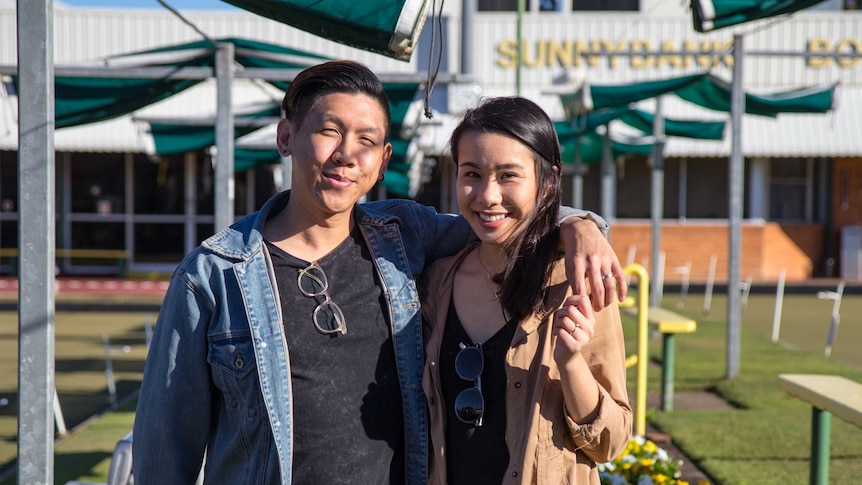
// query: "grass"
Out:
[82,387]
[765,441]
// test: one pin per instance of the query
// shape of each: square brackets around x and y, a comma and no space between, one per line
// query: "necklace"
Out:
[495,289]
[488,279]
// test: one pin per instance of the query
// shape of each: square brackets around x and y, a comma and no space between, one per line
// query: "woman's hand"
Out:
[574,325]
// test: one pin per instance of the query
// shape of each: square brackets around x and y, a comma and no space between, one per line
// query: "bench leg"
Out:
[820,428]
[667,372]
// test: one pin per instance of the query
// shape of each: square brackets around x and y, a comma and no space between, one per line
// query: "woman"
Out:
[525,383]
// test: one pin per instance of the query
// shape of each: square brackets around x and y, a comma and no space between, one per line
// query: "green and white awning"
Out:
[389,27]
[708,15]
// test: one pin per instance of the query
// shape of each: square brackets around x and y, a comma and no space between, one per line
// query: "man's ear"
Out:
[387,154]
[282,138]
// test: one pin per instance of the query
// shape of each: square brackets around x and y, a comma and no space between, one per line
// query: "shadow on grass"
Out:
[69,466]
[98,365]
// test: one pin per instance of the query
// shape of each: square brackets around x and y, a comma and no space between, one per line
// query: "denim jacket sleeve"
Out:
[173,414]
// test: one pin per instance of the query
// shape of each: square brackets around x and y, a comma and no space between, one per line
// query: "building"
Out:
[803,176]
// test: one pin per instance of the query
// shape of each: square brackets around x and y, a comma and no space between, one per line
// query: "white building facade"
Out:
[800,168]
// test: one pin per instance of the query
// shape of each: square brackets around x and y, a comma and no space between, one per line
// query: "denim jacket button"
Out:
[263,345]
[432,401]
[239,363]
[517,385]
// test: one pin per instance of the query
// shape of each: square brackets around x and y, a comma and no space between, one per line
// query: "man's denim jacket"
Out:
[217,377]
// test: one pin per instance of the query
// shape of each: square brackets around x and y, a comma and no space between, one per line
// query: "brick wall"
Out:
[767,247]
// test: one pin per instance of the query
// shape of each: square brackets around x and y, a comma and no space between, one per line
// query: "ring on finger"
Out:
[607,275]
[577,326]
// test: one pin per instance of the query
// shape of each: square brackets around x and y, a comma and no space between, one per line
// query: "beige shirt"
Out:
[545,445]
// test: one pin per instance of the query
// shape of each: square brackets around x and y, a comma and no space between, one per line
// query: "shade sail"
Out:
[708,15]
[172,139]
[591,144]
[80,101]
[389,27]
[246,158]
[597,96]
[703,130]
[705,90]
[714,93]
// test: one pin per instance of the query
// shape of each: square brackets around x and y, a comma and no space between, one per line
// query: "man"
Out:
[289,346]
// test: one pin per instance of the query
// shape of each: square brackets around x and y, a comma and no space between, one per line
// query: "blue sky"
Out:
[177,4]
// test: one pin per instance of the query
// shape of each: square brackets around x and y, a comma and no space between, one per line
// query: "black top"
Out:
[475,455]
[347,414]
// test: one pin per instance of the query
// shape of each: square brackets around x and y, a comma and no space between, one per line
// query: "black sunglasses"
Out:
[470,405]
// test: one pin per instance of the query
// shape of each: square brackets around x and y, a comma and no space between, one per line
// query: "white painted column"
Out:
[758,190]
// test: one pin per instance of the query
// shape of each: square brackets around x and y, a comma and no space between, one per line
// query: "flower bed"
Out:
[642,463]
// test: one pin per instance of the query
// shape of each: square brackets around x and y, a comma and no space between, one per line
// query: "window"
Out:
[97,183]
[497,5]
[599,5]
[160,186]
[788,189]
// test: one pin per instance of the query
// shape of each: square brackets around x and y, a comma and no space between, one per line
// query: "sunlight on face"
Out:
[338,151]
[496,185]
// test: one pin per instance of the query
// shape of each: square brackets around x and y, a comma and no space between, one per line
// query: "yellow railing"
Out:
[641,357]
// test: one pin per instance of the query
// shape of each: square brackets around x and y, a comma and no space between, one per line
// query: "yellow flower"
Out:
[650,447]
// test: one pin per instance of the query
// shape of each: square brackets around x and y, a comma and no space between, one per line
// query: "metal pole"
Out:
[667,365]
[36,236]
[578,176]
[468,14]
[224,193]
[657,202]
[779,303]
[821,424]
[735,181]
[520,37]
[608,174]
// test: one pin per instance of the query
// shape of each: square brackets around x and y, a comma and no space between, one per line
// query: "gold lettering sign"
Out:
[643,54]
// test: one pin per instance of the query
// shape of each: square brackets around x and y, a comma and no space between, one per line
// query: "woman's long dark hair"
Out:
[533,249]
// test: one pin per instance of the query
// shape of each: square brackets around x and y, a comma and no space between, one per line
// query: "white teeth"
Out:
[492,218]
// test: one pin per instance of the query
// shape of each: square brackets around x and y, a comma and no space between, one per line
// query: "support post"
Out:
[736,170]
[657,201]
[36,237]
[821,423]
[224,189]
[668,358]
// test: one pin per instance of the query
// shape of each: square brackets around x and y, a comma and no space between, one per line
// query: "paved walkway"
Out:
[684,401]
[94,289]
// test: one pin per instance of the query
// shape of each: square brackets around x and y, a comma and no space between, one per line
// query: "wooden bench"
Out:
[827,395]
[121,256]
[668,324]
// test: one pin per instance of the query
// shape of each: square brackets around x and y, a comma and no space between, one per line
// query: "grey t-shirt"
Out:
[347,410]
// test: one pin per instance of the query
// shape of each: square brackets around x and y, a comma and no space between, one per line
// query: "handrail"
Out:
[641,357]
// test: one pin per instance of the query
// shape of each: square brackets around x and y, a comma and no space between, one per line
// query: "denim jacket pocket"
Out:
[233,368]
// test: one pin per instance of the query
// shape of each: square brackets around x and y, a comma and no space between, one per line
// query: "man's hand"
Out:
[590,256]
